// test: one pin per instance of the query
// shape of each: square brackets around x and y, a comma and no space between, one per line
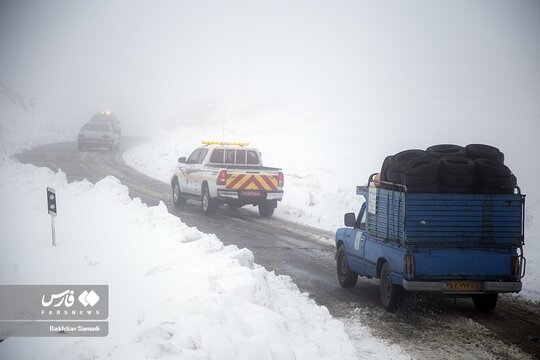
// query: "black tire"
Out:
[457,165]
[346,277]
[481,151]
[485,302]
[425,189]
[399,162]
[422,166]
[266,209]
[492,168]
[457,189]
[482,189]
[458,180]
[390,294]
[209,205]
[178,200]
[384,168]
[395,175]
[507,182]
[444,150]
[416,181]
[405,156]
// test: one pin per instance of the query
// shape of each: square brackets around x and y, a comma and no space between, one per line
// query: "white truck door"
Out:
[181,171]
[187,169]
[193,171]
[196,175]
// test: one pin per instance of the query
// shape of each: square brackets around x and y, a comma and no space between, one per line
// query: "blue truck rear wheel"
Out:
[391,294]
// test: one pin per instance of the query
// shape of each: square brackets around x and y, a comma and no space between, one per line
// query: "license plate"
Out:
[250,193]
[462,286]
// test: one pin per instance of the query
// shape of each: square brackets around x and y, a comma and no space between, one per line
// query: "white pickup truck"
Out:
[227,173]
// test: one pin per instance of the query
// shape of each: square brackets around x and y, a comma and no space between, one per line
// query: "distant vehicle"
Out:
[109,118]
[227,173]
[98,134]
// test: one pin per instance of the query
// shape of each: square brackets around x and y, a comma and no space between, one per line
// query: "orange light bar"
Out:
[239,143]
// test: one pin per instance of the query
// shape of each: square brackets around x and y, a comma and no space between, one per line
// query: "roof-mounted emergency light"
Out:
[239,143]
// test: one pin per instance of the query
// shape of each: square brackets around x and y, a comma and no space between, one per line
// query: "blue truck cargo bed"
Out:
[456,244]
[447,219]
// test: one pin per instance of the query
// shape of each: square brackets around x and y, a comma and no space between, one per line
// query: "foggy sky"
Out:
[434,63]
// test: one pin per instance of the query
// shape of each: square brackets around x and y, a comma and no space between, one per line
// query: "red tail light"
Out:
[222,177]
[409,265]
[516,266]
[281,179]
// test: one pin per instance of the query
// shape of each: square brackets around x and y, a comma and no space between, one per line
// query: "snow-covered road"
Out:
[447,329]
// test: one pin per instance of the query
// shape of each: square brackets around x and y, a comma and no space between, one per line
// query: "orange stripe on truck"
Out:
[252,182]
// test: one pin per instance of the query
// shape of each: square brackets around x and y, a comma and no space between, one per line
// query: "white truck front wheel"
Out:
[177,195]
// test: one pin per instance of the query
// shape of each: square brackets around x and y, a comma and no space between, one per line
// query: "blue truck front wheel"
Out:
[347,278]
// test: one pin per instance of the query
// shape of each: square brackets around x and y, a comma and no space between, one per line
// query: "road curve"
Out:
[426,327]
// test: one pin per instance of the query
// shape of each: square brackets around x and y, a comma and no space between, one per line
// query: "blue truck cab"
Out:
[462,245]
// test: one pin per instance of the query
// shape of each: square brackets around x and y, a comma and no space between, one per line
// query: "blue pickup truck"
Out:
[461,245]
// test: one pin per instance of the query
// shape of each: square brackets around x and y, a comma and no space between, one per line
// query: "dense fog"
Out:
[391,75]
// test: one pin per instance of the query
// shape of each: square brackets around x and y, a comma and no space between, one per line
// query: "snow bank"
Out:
[323,161]
[174,291]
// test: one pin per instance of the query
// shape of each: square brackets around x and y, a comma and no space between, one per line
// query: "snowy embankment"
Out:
[174,292]
[321,170]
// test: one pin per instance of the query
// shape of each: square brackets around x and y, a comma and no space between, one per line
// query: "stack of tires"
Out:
[458,175]
[422,175]
[453,169]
